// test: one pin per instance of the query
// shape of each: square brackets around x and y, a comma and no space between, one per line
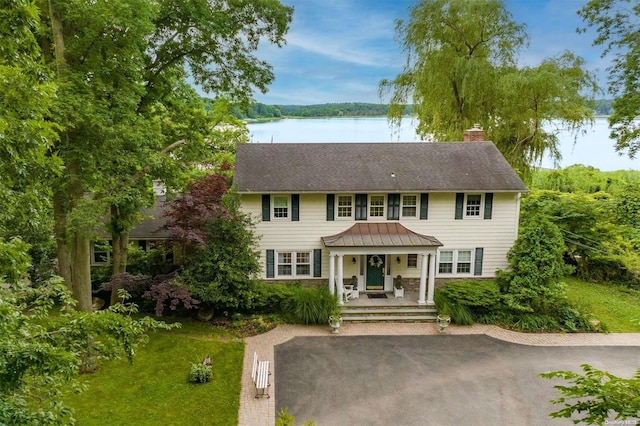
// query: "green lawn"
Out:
[154,390]
[614,306]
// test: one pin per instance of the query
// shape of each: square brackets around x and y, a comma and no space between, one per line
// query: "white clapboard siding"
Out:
[495,236]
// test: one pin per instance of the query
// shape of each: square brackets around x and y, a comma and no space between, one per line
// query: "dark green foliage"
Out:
[532,283]
[200,373]
[459,313]
[597,395]
[273,298]
[220,273]
[607,269]
[41,354]
[562,319]
[601,229]
[480,295]
[581,178]
[539,323]
[312,305]
[571,319]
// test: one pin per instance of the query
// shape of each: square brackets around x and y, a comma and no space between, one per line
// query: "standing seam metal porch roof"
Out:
[379,235]
[373,167]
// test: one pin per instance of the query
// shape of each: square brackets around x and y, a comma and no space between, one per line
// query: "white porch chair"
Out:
[350,291]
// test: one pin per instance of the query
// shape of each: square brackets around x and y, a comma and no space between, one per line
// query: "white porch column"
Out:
[339,284]
[432,278]
[332,273]
[423,280]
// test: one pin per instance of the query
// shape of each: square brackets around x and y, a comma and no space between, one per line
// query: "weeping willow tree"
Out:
[462,69]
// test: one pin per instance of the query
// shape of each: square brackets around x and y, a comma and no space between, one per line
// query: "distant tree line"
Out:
[603,107]
[353,109]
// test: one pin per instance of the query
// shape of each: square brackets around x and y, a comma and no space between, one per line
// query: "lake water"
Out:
[593,146]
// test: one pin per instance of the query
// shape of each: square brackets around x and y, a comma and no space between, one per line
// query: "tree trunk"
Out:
[120,253]
[80,245]
[63,250]
[81,271]
[73,248]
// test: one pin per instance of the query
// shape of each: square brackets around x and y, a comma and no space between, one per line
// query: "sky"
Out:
[339,50]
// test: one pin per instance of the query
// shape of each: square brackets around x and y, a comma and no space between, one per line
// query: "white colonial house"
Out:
[425,211]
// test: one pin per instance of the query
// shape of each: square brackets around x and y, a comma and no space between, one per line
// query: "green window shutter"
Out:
[488,205]
[393,206]
[424,206]
[459,205]
[331,205]
[477,269]
[361,206]
[317,262]
[270,264]
[266,207]
[295,207]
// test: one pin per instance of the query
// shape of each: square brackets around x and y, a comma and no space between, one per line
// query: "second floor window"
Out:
[280,207]
[345,206]
[474,202]
[376,206]
[409,205]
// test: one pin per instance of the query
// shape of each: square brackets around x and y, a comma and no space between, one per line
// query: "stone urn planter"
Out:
[335,321]
[443,322]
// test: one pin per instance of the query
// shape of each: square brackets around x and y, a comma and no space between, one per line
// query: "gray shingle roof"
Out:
[374,167]
[379,235]
[154,224]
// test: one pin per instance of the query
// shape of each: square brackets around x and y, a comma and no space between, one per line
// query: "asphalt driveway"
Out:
[428,380]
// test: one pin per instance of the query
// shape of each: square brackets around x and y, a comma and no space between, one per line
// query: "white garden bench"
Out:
[260,376]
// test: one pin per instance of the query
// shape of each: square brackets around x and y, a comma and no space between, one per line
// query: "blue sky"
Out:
[339,50]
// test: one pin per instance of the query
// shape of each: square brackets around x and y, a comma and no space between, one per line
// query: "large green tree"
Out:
[462,69]
[26,160]
[122,69]
[618,25]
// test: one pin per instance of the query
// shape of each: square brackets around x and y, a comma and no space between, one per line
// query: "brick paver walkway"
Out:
[261,411]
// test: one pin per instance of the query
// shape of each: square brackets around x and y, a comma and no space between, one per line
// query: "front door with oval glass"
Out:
[375,272]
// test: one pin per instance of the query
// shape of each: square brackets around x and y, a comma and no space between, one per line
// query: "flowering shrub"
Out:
[170,291]
[200,373]
[164,290]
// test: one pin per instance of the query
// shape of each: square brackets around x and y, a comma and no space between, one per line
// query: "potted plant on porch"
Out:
[398,288]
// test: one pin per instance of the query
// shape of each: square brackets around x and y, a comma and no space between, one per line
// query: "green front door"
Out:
[375,272]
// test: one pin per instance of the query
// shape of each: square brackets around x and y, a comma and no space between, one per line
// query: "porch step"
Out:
[390,318]
[389,314]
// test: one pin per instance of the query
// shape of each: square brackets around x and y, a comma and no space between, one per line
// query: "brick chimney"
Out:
[476,134]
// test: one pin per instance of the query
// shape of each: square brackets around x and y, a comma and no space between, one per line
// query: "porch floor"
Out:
[409,299]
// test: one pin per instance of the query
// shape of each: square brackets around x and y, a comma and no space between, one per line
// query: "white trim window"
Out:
[101,252]
[473,205]
[412,260]
[409,206]
[376,206]
[281,207]
[294,264]
[303,263]
[455,262]
[463,262]
[344,206]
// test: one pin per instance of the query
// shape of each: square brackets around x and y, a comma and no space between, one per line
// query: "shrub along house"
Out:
[332,211]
